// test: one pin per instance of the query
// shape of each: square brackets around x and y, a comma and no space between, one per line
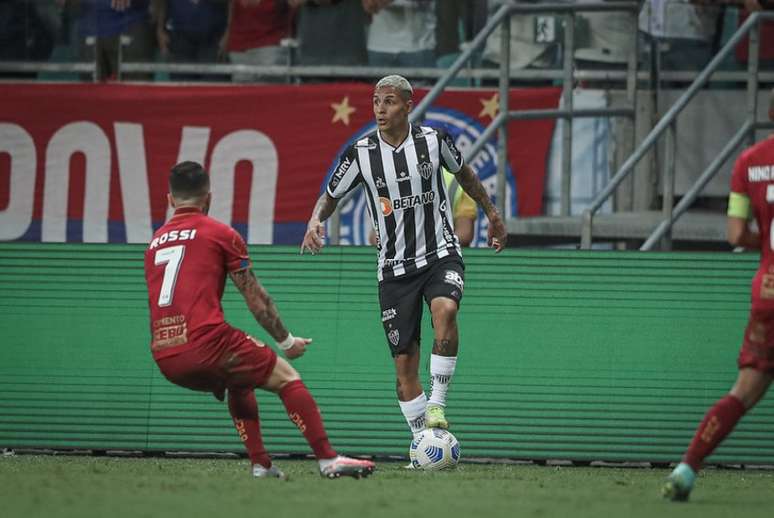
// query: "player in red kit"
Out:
[186,265]
[752,195]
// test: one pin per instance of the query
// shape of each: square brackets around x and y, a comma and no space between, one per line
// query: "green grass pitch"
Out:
[34,486]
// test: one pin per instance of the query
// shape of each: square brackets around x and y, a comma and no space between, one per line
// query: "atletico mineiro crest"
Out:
[425,169]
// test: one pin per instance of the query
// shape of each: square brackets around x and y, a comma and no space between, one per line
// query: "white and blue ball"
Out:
[434,449]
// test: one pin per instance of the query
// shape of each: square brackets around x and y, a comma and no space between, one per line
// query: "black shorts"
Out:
[401,299]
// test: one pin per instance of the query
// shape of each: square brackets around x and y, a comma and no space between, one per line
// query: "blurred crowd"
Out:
[386,33]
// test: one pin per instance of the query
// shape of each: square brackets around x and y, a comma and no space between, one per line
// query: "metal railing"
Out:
[499,123]
[568,113]
[748,127]
[316,71]
[668,124]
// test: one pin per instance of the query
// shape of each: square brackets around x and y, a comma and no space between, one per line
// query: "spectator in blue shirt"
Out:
[108,28]
[189,31]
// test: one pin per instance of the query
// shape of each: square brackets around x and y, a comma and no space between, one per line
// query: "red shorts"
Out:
[231,360]
[758,347]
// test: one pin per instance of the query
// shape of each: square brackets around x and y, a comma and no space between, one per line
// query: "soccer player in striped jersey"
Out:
[400,167]
[752,197]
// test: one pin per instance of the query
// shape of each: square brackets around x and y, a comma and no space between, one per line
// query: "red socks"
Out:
[303,411]
[244,411]
[717,424]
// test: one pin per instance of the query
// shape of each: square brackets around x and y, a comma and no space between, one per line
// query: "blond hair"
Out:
[400,83]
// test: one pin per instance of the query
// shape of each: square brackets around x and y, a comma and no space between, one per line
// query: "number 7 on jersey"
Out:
[172,257]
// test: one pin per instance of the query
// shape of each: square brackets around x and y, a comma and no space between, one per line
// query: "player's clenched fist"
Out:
[298,348]
[314,239]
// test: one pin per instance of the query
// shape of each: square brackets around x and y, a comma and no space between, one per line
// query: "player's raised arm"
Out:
[265,312]
[314,239]
[468,180]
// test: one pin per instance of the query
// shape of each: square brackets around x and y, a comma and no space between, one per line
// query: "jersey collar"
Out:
[399,146]
[186,211]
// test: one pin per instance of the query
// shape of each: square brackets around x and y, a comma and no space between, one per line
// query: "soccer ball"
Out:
[434,449]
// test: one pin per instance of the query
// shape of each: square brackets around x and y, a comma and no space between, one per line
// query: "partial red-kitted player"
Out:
[186,265]
[751,197]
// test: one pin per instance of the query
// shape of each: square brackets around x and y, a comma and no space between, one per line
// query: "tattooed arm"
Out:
[468,180]
[315,230]
[265,312]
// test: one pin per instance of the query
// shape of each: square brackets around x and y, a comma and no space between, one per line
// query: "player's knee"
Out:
[282,374]
[407,362]
[750,387]
[286,371]
[444,310]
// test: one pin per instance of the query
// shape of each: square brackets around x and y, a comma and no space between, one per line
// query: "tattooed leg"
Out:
[443,361]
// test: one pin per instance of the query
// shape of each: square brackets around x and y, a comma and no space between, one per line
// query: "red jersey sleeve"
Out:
[235,254]
[739,176]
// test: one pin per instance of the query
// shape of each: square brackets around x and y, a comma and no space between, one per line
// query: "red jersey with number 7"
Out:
[186,264]
[753,178]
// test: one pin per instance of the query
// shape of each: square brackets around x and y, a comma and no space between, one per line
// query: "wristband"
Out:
[287,343]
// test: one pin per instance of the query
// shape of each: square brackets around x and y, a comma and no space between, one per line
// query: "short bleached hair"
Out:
[400,83]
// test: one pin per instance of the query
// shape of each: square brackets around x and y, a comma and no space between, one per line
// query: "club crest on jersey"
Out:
[425,169]
[394,337]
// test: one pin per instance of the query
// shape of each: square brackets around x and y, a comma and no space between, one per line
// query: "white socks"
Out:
[441,372]
[414,412]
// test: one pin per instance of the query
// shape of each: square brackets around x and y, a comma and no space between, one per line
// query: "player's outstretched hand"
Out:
[314,239]
[298,348]
[497,236]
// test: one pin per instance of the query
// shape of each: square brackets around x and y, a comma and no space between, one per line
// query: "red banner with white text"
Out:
[89,163]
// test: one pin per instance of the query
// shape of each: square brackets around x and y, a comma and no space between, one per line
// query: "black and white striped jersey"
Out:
[407,199]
